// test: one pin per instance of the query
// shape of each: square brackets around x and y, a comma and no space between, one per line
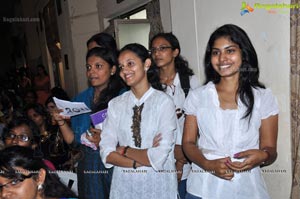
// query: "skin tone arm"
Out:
[180,160]
[118,157]
[68,133]
[217,167]
[267,152]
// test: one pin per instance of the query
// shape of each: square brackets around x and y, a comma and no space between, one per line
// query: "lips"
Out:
[224,66]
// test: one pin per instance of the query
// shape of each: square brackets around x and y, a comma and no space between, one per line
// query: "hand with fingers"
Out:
[252,158]
[57,118]
[95,136]
[219,168]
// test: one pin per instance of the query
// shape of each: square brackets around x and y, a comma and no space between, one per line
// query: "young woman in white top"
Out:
[138,135]
[178,79]
[232,122]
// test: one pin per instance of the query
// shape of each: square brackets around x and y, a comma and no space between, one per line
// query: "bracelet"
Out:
[268,157]
[61,124]
[125,150]
[134,164]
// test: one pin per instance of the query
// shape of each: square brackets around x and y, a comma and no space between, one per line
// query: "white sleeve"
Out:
[109,138]
[194,82]
[269,105]
[190,104]
[167,127]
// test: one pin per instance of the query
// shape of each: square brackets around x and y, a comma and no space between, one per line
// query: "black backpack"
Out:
[185,83]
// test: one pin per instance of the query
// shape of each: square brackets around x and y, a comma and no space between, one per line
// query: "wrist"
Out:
[125,150]
[61,122]
[268,155]
[134,164]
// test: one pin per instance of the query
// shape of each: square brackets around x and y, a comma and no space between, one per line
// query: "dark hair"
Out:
[59,93]
[19,121]
[181,65]
[143,54]
[115,84]
[17,156]
[43,68]
[249,71]
[41,110]
[104,40]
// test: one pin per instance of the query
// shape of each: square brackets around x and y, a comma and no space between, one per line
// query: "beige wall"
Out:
[194,21]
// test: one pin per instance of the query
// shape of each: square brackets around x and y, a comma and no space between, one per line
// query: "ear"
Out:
[175,52]
[113,70]
[41,177]
[147,64]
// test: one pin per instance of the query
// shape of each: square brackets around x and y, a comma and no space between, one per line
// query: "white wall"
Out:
[84,22]
[193,21]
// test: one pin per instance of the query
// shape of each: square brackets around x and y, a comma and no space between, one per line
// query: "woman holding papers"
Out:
[102,74]
[138,135]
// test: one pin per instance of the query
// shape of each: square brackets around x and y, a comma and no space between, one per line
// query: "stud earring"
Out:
[40,187]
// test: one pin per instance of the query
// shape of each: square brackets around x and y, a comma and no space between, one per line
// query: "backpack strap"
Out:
[185,83]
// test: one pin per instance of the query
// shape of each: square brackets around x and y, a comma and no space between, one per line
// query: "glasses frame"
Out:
[19,137]
[160,49]
[16,180]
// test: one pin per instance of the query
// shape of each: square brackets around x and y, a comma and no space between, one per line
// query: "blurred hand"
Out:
[95,138]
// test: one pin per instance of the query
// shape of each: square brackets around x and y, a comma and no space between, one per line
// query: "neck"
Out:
[97,91]
[229,84]
[167,74]
[141,89]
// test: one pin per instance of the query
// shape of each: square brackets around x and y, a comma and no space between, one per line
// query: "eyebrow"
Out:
[231,46]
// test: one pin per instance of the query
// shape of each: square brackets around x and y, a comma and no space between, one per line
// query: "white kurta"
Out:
[222,134]
[158,116]
[178,96]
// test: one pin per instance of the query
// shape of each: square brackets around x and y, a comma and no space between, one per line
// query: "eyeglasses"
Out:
[22,138]
[160,49]
[14,182]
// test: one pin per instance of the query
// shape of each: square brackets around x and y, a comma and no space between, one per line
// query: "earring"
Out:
[40,187]
[112,73]
[146,69]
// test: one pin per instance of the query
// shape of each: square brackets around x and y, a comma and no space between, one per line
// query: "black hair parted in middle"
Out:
[248,72]
[143,54]
[115,84]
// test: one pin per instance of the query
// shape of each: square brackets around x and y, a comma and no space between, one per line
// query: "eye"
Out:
[230,51]
[98,66]
[88,67]
[214,52]
[130,64]
[15,182]
[24,138]
[121,67]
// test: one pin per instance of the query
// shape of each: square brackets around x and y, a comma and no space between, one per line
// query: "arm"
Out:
[64,128]
[216,167]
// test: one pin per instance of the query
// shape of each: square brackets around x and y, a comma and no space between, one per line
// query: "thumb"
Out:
[242,154]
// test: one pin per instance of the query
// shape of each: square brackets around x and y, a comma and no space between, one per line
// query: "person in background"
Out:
[177,79]
[25,176]
[231,123]
[52,144]
[135,121]
[102,74]
[42,84]
[22,131]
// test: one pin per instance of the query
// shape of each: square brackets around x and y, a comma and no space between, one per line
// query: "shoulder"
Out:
[194,82]
[83,95]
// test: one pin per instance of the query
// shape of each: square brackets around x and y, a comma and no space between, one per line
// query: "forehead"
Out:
[160,41]
[92,59]
[127,55]
[22,129]
[223,42]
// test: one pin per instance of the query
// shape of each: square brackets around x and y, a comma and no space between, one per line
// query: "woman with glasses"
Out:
[24,132]
[25,176]
[178,79]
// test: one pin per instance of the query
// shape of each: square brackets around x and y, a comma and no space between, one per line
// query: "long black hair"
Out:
[249,71]
[23,157]
[104,40]
[115,84]
[143,54]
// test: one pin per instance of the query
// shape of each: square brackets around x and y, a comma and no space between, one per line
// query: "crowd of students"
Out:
[165,135]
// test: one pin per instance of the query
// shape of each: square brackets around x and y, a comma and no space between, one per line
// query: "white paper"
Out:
[71,108]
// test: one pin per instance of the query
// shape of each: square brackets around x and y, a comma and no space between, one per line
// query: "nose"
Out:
[15,140]
[5,194]
[222,57]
